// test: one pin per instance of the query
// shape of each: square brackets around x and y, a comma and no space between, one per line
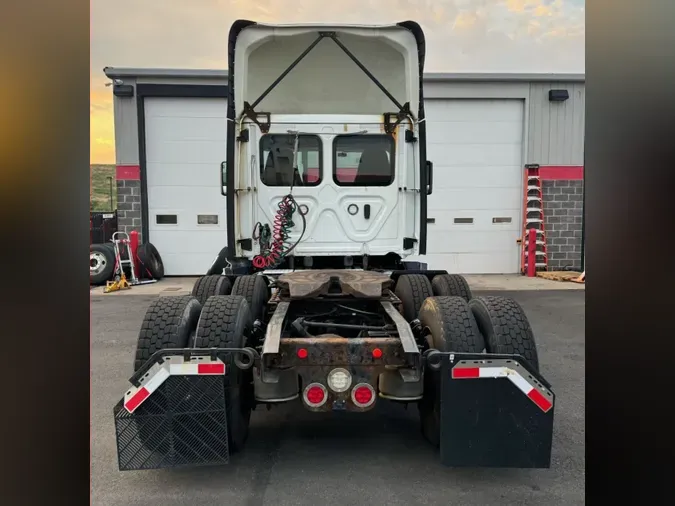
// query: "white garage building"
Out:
[482,129]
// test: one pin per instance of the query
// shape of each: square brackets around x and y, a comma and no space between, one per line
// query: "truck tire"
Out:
[101,264]
[451,284]
[254,289]
[505,327]
[225,322]
[206,286]
[453,328]
[169,322]
[151,261]
[413,289]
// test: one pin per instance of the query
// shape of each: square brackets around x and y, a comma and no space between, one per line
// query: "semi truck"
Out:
[320,295]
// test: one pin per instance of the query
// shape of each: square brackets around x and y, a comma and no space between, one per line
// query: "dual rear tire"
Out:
[222,321]
[459,322]
[253,288]
[500,322]
[414,289]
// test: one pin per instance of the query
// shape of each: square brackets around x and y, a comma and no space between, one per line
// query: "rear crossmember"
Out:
[176,415]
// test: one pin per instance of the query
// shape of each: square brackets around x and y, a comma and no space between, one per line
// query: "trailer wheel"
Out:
[452,327]
[413,289]
[451,284]
[207,286]
[225,322]
[254,289]
[168,323]
[505,327]
[101,264]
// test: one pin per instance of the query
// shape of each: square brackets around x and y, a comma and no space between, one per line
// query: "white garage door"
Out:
[476,147]
[185,145]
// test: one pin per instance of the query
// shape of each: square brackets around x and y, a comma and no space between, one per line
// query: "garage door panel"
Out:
[190,242]
[196,108]
[474,241]
[173,174]
[474,110]
[177,197]
[188,152]
[182,264]
[469,198]
[462,220]
[169,128]
[474,132]
[449,177]
[187,253]
[188,221]
[475,155]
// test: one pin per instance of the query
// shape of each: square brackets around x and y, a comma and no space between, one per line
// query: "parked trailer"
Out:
[315,300]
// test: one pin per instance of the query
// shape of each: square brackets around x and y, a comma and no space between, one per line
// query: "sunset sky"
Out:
[462,35]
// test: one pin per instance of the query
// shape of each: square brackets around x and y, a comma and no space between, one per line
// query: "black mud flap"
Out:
[182,423]
[495,412]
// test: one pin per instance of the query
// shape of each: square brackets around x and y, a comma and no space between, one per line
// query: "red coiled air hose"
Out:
[280,233]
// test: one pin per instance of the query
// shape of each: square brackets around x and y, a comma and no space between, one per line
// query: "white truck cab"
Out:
[327,120]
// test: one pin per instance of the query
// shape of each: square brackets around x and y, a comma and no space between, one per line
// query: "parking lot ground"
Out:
[294,457]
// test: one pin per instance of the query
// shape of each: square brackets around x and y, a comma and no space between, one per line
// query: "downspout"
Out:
[583,216]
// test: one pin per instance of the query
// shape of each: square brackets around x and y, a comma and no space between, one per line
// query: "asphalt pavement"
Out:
[294,457]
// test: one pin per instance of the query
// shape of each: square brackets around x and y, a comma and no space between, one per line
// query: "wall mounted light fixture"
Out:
[558,95]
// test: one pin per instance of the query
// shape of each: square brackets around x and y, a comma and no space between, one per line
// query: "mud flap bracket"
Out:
[496,411]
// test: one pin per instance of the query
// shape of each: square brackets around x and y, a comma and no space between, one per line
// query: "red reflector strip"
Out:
[501,372]
[541,401]
[211,369]
[465,372]
[137,399]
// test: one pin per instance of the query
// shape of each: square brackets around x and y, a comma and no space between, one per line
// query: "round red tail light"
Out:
[377,353]
[302,353]
[363,395]
[315,395]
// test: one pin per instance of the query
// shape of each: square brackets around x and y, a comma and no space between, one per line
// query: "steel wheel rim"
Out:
[97,263]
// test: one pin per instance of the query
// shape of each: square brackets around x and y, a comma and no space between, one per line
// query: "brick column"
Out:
[563,216]
[129,199]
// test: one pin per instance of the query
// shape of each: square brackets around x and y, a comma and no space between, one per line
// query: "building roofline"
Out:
[120,72]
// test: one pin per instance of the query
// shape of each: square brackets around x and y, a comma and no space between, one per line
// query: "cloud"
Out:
[175,33]
[462,35]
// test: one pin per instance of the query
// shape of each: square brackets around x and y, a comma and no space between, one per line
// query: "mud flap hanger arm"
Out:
[252,358]
[250,112]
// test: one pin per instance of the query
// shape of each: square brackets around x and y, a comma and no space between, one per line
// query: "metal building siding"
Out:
[556,129]
[126,128]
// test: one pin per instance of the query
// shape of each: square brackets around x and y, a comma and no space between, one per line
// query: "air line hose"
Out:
[271,255]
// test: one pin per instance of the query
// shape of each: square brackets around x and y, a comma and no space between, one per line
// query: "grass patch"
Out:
[100,188]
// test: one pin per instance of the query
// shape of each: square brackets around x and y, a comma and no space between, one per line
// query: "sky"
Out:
[462,36]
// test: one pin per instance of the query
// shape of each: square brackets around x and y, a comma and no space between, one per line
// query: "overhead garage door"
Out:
[476,147]
[185,145]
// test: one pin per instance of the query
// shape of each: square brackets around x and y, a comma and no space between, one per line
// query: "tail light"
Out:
[315,395]
[363,395]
